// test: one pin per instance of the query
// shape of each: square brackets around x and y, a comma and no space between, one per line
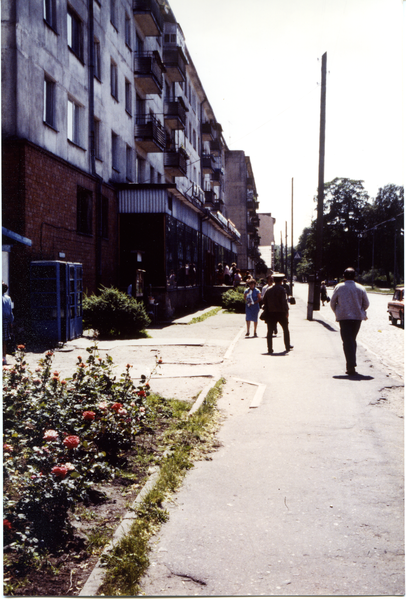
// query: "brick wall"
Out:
[40,203]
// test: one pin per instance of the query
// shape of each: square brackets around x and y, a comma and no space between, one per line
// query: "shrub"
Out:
[60,436]
[233,300]
[114,314]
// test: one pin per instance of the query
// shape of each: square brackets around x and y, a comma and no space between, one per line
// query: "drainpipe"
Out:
[92,149]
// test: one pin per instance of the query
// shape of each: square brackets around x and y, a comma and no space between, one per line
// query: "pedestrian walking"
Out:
[349,303]
[8,319]
[276,310]
[252,297]
[323,293]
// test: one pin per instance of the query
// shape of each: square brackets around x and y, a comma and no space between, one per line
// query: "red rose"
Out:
[116,406]
[72,441]
[21,347]
[60,471]
[7,524]
[141,393]
[89,415]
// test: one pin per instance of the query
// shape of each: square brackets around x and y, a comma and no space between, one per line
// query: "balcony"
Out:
[216,147]
[175,162]
[175,114]
[251,230]
[148,17]
[255,220]
[148,69]
[208,164]
[175,63]
[250,183]
[217,178]
[208,132]
[210,198]
[149,134]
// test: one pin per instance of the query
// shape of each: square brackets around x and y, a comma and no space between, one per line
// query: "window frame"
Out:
[114,79]
[97,153]
[73,121]
[128,97]
[49,105]
[97,59]
[129,163]
[49,7]
[75,34]
[114,151]
[84,211]
[127,30]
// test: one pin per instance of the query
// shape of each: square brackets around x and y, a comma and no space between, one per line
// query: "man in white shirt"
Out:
[349,303]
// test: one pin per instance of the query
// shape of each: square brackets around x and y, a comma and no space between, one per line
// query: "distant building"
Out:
[267,235]
[112,155]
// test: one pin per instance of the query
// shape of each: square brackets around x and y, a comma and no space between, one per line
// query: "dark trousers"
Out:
[349,330]
[274,318]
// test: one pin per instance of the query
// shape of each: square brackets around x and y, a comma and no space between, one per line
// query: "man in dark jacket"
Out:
[276,308]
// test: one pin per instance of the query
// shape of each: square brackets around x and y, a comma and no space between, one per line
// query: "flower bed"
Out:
[63,438]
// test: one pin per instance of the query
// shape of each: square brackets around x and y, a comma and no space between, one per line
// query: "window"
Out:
[97,138]
[113,80]
[129,163]
[97,60]
[75,34]
[84,211]
[151,174]
[105,217]
[194,139]
[128,97]
[114,151]
[113,11]
[73,121]
[50,13]
[127,30]
[49,102]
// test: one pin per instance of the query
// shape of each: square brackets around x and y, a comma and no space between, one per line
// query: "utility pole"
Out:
[314,283]
[282,256]
[286,247]
[291,246]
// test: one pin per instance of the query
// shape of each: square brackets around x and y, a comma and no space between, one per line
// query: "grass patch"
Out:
[189,438]
[206,315]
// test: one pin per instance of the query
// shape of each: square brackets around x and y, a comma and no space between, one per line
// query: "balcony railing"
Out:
[208,133]
[149,133]
[210,197]
[217,177]
[175,63]
[215,147]
[148,17]
[148,69]
[175,114]
[255,220]
[208,164]
[175,162]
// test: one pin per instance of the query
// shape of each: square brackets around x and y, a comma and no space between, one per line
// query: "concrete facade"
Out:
[267,237]
[104,116]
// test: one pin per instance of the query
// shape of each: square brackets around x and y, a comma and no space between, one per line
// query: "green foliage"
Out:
[206,315]
[233,300]
[114,314]
[61,436]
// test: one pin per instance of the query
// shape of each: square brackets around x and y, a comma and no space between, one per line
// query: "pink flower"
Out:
[72,441]
[50,435]
[121,411]
[60,471]
[8,448]
[142,409]
[103,405]
[89,415]
[69,466]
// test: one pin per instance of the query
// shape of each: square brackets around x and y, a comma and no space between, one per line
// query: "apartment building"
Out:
[242,204]
[112,155]
[267,236]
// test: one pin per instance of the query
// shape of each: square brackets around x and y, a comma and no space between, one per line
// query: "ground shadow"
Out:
[356,377]
[326,325]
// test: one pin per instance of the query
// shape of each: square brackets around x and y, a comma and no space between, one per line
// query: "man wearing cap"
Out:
[276,310]
[349,303]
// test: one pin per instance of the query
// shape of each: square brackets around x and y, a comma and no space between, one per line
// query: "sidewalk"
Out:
[305,495]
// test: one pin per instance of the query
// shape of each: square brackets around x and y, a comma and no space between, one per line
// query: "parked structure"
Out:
[112,155]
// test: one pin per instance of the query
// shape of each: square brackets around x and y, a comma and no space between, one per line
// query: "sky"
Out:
[260,64]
